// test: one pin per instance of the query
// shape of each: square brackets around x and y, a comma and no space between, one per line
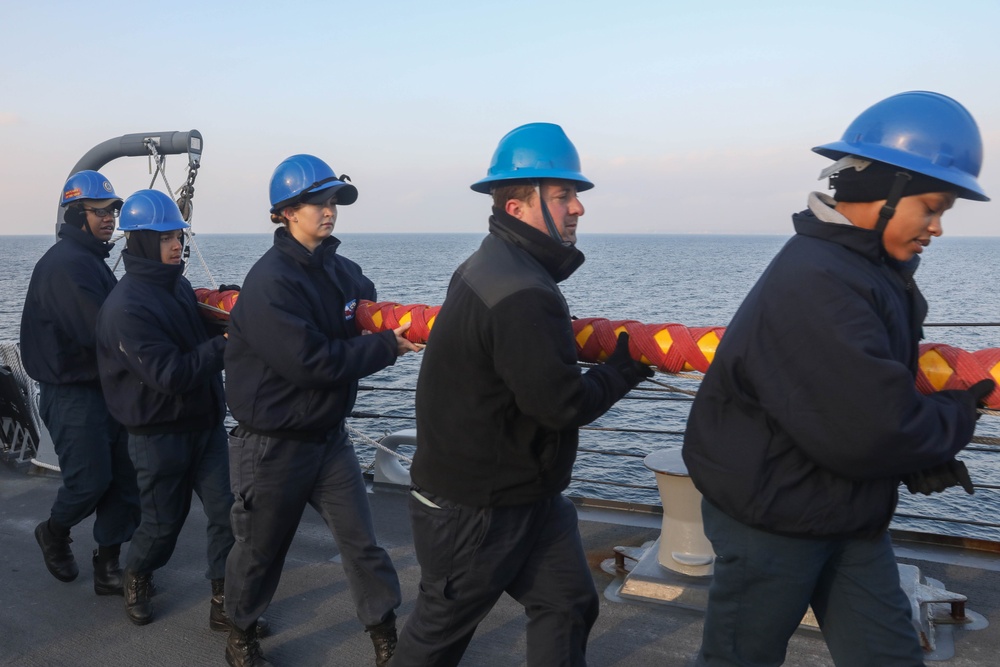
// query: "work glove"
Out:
[622,361]
[228,288]
[216,327]
[979,392]
[940,477]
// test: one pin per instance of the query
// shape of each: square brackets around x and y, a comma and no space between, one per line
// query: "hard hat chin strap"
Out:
[888,210]
[550,224]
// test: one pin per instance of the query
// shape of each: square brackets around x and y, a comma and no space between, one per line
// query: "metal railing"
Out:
[624,475]
[621,481]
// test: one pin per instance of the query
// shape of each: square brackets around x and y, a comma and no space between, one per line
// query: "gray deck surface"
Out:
[46,622]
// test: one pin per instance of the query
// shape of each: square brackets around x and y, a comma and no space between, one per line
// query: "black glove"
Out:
[981,390]
[216,327]
[939,478]
[977,394]
[228,288]
[622,361]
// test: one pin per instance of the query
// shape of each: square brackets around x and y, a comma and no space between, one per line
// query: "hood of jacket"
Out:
[151,271]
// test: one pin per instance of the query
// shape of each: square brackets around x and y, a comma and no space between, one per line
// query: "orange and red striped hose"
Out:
[674,348]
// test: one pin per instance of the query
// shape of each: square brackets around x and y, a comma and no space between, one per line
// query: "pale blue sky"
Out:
[689,117]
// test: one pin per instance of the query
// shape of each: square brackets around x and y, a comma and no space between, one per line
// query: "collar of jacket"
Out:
[865,242]
[558,259]
[286,243]
[88,241]
[823,208]
[151,271]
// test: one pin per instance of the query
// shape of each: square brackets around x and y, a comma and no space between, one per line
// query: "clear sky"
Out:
[690,117]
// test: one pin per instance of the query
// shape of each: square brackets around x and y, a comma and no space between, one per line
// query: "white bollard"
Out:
[683,545]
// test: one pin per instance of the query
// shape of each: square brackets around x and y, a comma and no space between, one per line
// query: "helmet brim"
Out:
[965,186]
[486,185]
[346,193]
[168,226]
[104,203]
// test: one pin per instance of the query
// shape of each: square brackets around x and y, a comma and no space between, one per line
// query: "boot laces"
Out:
[140,586]
[385,644]
[250,647]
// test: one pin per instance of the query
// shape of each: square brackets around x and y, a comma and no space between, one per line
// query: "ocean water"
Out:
[695,280]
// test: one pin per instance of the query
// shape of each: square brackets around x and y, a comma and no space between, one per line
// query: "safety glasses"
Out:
[109,212]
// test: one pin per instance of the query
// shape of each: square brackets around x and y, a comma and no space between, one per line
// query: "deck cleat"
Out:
[935,612]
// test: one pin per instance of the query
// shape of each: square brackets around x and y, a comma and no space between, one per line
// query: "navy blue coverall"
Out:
[161,375]
[293,363]
[58,349]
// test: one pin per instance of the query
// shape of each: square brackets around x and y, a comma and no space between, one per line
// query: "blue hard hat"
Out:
[923,132]
[534,151]
[152,210]
[302,175]
[87,184]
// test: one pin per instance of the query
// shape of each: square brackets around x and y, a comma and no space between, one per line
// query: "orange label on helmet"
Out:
[75,192]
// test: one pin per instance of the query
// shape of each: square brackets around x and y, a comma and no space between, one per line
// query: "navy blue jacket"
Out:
[809,414]
[68,286]
[160,370]
[500,396]
[295,355]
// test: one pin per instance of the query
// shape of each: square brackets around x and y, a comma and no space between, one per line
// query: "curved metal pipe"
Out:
[134,145]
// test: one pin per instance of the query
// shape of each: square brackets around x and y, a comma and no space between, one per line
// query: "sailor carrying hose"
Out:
[808,418]
[293,363]
[500,399]
[161,372]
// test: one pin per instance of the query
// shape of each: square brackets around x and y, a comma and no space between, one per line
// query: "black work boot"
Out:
[56,552]
[218,619]
[107,571]
[243,648]
[138,606]
[384,638]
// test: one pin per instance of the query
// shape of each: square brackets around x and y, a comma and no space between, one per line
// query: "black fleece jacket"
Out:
[809,413]
[500,395]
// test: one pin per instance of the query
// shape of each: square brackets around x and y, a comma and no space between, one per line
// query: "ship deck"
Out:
[45,622]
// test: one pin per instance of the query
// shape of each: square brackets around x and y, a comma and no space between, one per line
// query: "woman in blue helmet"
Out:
[67,288]
[293,363]
[161,372]
[808,418]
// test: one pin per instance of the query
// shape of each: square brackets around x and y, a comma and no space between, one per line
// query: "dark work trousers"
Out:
[97,473]
[273,480]
[470,556]
[763,584]
[169,467]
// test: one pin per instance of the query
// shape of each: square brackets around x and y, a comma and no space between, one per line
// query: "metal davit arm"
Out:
[136,145]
